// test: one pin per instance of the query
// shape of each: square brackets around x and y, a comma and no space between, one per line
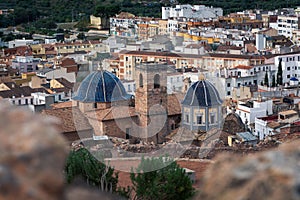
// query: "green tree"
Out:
[106,11]
[279,73]
[273,81]
[266,80]
[159,178]
[81,36]
[82,163]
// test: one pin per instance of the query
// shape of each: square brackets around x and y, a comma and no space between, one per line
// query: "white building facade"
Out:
[189,11]
[286,25]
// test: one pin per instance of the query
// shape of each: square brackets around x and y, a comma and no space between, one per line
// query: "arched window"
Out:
[141,81]
[156,81]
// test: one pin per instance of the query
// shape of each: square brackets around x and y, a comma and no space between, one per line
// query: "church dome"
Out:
[101,87]
[202,94]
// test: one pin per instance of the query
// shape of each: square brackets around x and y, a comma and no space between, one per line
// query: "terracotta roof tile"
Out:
[174,103]
[243,67]
[228,47]
[71,118]
[66,104]
[151,53]
[112,113]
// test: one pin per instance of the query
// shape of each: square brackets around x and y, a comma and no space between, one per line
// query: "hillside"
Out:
[27,11]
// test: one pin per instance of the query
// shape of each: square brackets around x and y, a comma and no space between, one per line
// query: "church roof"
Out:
[202,94]
[100,87]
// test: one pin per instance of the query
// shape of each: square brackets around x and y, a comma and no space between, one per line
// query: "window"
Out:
[127,133]
[187,118]
[26,101]
[141,81]
[228,93]
[288,68]
[19,102]
[228,84]
[95,105]
[129,88]
[212,119]
[288,76]
[156,81]
[199,119]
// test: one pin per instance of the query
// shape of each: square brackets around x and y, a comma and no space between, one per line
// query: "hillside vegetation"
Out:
[47,12]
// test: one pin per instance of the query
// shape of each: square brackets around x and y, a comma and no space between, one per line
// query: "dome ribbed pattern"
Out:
[100,87]
[202,94]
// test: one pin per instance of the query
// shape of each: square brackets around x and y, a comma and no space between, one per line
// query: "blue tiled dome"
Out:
[202,94]
[101,86]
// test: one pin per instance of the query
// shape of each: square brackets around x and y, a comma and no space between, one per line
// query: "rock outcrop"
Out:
[267,175]
[32,156]
[32,159]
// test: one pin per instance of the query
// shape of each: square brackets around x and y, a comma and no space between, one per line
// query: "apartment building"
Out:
[92,45]
[286,24]
[290,63]
[213,61]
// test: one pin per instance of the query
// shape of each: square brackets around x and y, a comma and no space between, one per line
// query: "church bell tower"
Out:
[151,100]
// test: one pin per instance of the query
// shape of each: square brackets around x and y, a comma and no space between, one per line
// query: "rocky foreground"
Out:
[33,156]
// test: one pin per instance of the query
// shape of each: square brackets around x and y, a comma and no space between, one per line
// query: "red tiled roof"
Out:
[199,166]
[112,113]
[68,62]
[228,47]
[66,104]
[251,48]
[67,84]
[236,56]
[71,118]
[174,105]
[79,43]
[269,118]
[18,51]
[243,67]
[151,53]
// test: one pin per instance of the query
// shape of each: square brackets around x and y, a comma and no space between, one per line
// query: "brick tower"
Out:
[151,100]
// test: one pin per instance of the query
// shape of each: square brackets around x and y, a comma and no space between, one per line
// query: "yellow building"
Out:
[95,45]
[162,27]
[99,22]
[153,30]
